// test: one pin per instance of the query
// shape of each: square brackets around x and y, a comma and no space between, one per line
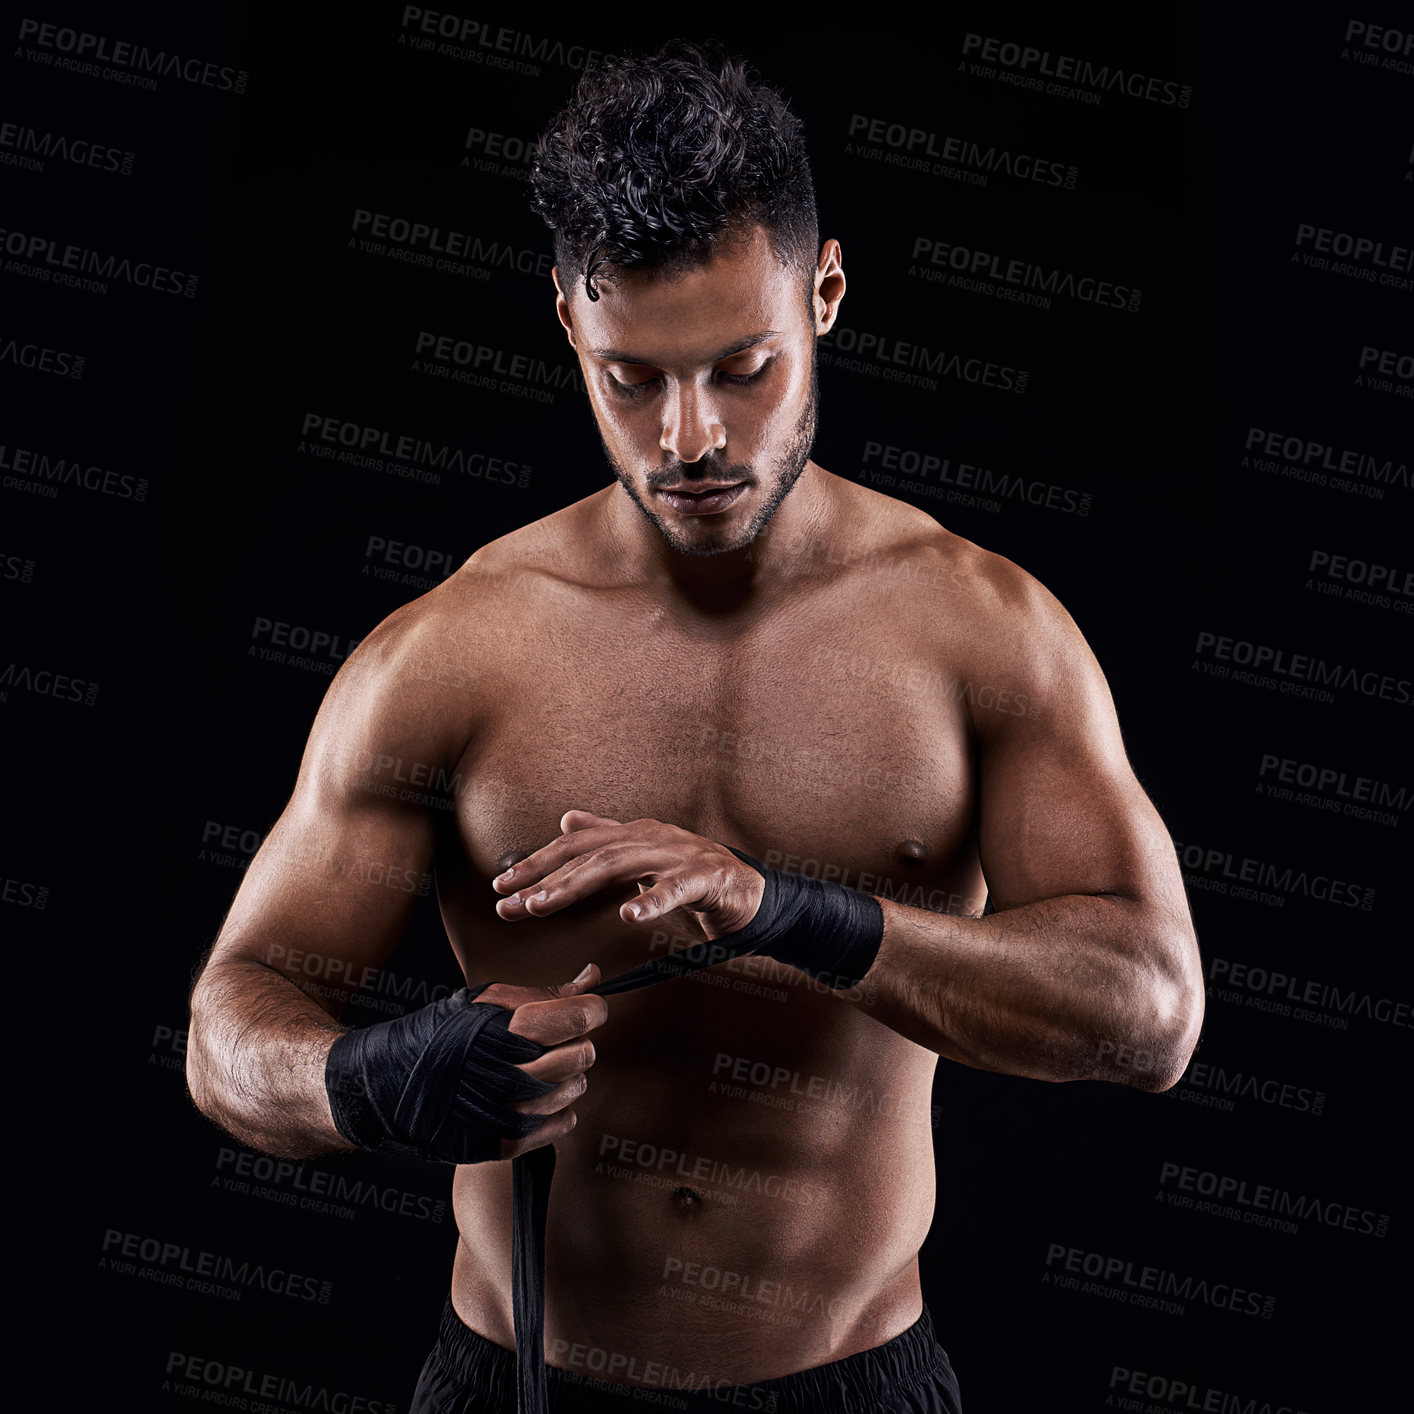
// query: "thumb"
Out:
[586,979]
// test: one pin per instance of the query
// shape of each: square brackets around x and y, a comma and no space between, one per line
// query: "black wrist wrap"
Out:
[437,1083]
[825,930]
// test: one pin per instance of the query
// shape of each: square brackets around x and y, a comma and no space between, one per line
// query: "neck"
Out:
[715,584]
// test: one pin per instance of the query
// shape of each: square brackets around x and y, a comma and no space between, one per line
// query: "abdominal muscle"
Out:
[703,1224]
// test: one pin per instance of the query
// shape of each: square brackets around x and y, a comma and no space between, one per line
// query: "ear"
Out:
[562,305]
[829,286]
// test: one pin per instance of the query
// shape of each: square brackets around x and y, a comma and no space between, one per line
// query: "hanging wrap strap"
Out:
[439,1083]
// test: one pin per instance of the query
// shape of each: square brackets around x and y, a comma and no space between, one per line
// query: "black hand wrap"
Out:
[435,1084]
[823,929]
[438,1086]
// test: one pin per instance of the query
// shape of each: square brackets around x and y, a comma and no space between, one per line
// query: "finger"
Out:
[561,1062]
[565,1019]
[664,896]
[556,1127]
[573,820]
[553,1101]
[510,996]
[610,865]
[588,978]
[552,856]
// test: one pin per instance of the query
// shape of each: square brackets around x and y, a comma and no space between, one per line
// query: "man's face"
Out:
[703,384]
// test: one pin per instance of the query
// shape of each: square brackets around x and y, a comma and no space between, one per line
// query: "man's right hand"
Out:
[559,1018]
[459,1081]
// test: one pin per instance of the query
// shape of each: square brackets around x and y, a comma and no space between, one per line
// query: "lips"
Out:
[706,501]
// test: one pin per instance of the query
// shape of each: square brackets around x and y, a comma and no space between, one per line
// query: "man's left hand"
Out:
[672,867]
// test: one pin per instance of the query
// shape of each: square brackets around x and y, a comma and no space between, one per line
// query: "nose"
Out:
[691,426]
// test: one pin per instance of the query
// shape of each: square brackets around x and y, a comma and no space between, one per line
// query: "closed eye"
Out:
[631,390]
[741,380]
[731,380]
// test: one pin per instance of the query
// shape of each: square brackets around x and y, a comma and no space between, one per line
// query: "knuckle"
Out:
[577,1017]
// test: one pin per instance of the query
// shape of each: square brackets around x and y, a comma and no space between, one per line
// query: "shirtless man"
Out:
[728,645]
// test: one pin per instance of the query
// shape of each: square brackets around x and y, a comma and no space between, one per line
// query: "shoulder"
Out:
[528,573]
[1016,617]
[1028,666]
[886,533]
[415,681]
[998,626]
[488,599]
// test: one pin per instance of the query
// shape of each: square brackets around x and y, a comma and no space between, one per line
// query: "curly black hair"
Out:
[656,158]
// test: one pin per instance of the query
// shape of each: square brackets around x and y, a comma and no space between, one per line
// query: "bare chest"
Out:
[842,754]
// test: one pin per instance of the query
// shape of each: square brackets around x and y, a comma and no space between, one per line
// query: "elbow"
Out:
[200,1073]
[201,1097]
[198,1086]
[1156,1019]
[1174,1016]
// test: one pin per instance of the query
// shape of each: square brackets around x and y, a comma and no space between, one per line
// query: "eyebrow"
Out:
[741,345]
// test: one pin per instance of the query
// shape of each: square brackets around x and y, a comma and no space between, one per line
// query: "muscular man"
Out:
[728,646]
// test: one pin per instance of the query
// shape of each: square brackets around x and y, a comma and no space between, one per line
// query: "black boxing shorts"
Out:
[910,1374]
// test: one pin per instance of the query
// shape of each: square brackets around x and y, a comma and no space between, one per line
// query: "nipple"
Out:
[511,856]
[911,851]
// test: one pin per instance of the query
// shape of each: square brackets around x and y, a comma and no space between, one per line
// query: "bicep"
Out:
[1060,810]
[328,895]
[330,891]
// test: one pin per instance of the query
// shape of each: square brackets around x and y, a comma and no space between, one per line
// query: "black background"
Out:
[114,880]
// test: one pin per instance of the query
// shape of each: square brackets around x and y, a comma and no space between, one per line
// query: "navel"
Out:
[687,1200]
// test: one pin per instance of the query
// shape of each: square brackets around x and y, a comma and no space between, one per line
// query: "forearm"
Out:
[1070,988]
[256,1053]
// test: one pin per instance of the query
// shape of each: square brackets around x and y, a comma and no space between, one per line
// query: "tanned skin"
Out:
[617,692]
